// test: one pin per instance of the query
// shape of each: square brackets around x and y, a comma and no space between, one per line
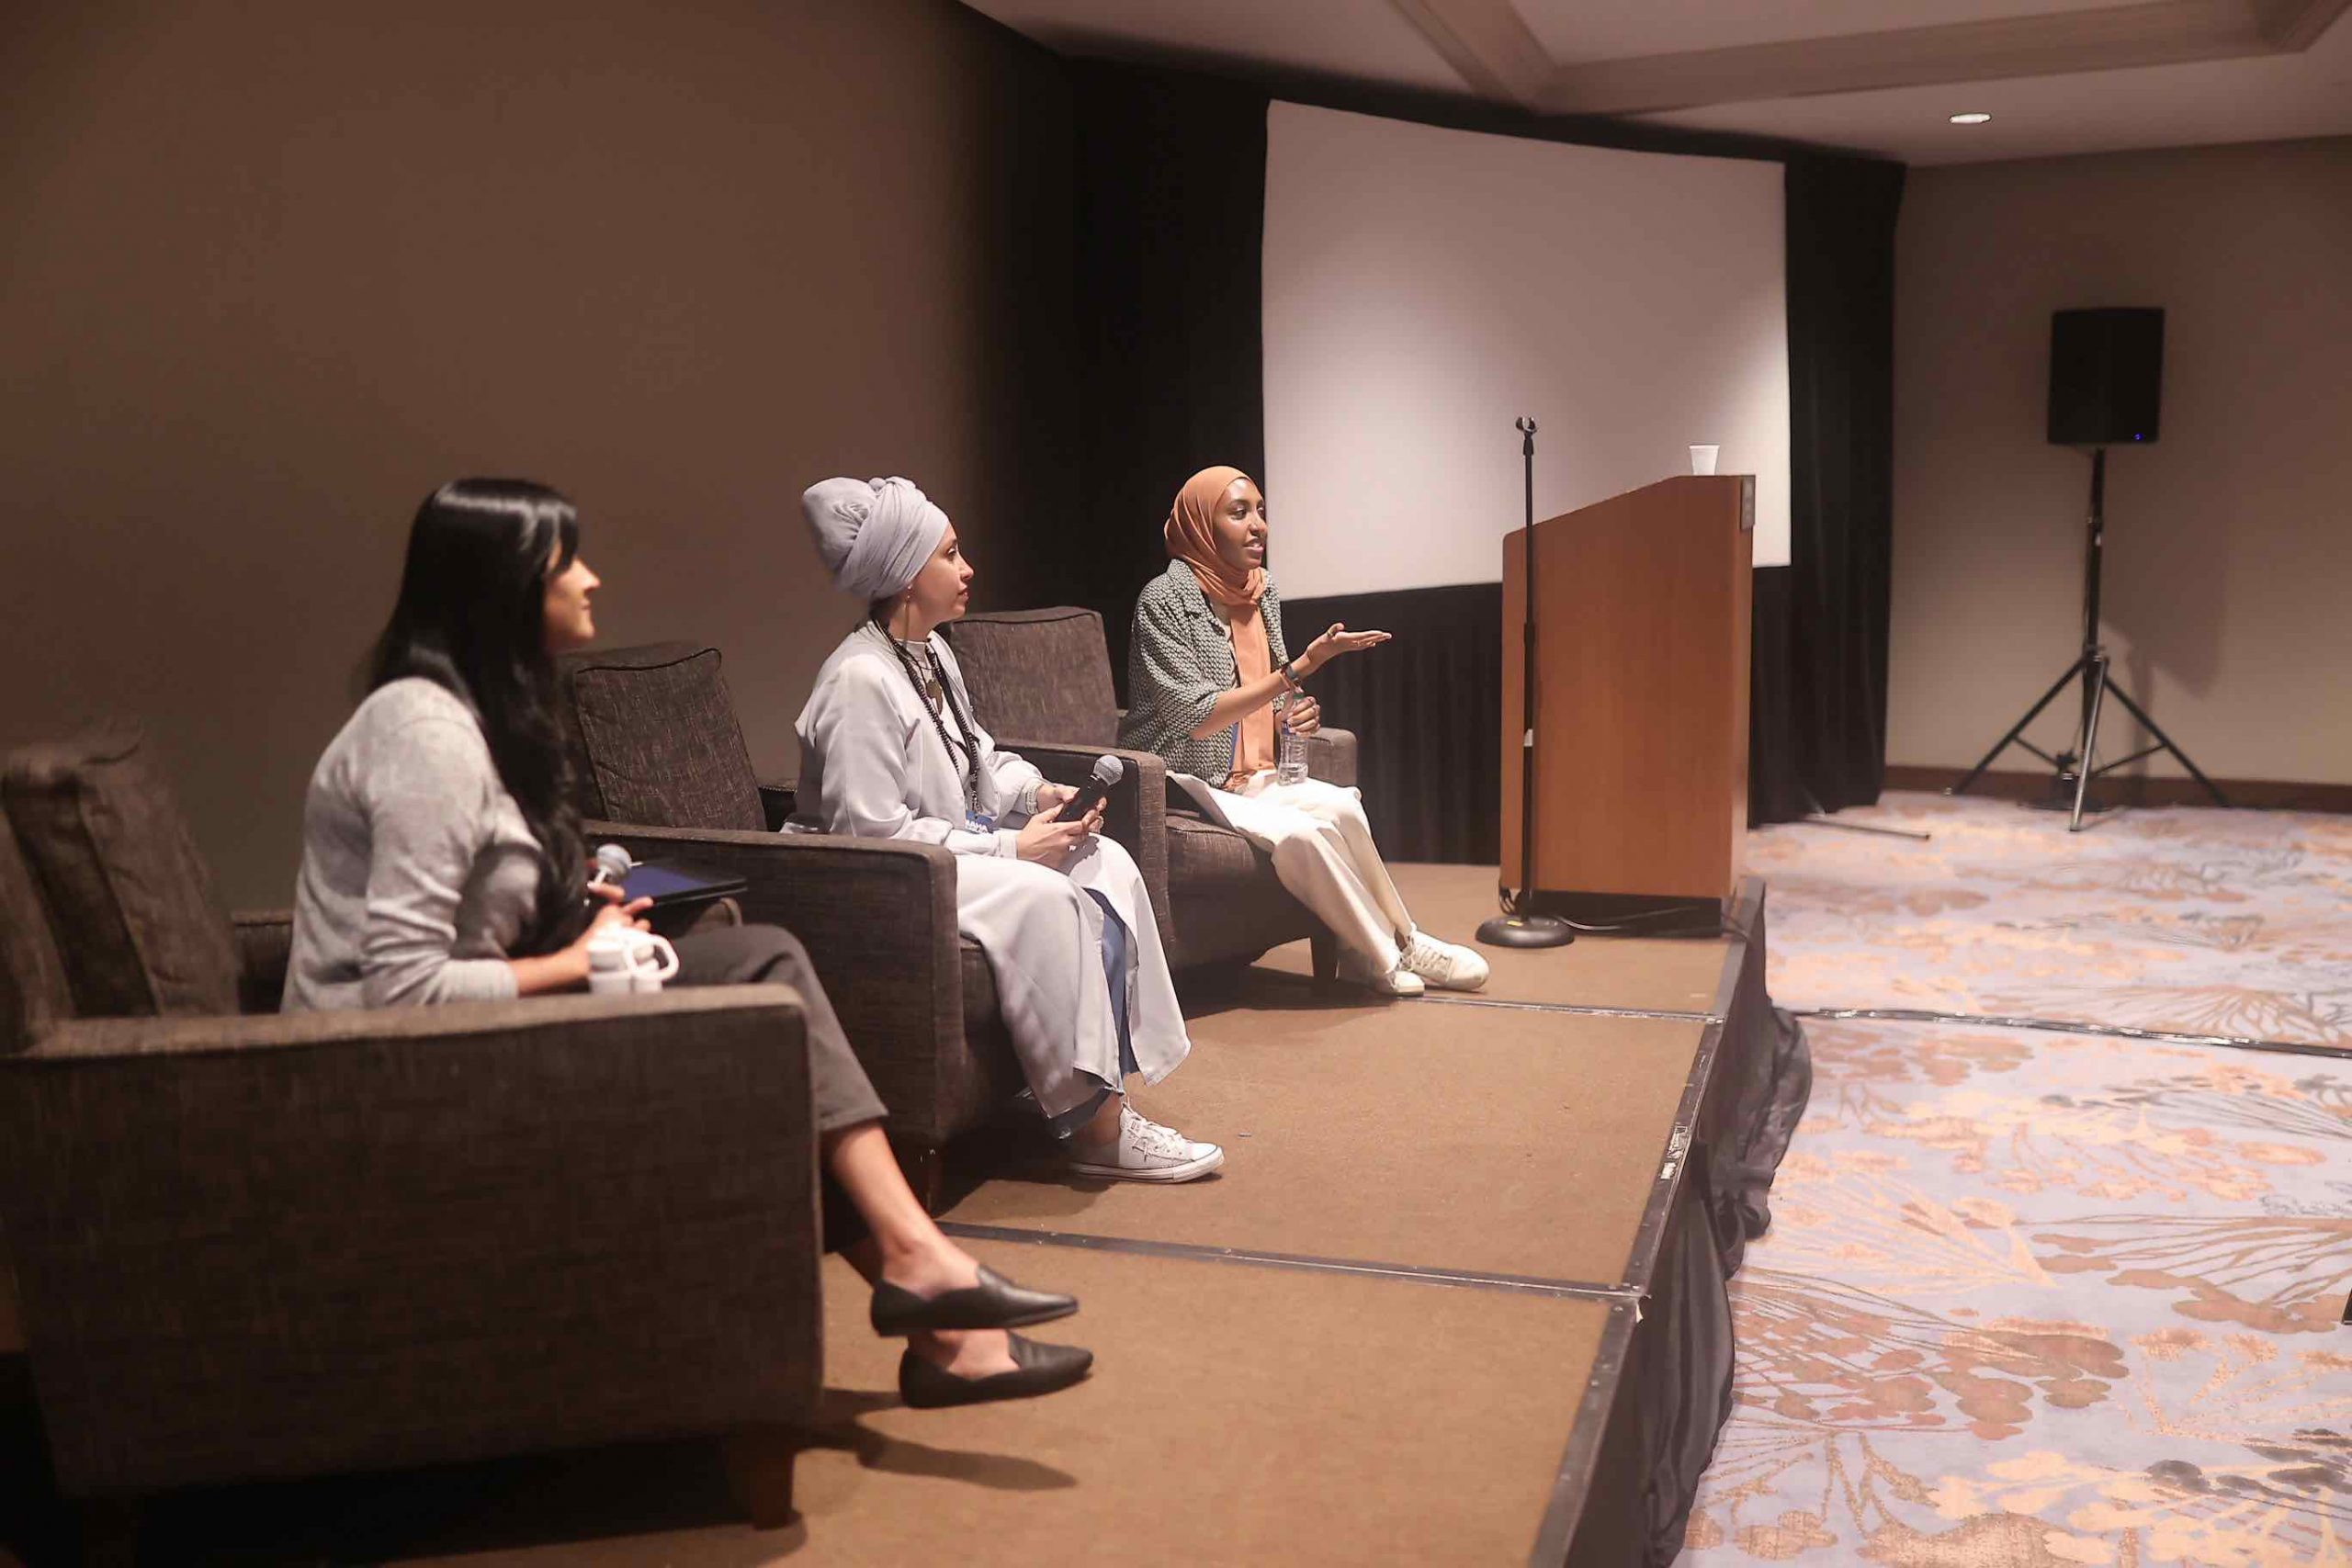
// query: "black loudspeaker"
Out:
[2106,371]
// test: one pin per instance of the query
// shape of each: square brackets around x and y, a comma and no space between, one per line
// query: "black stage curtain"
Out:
[1427,710]
[1171,202]
[1818,709]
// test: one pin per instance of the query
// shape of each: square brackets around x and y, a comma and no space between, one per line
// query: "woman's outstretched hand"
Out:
[1048,840]
[1337,641]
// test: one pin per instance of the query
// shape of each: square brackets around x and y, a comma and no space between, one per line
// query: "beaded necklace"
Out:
[936,692]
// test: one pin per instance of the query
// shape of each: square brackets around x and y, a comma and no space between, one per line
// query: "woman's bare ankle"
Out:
[927,1269]
[968,1353]
[1101,1129]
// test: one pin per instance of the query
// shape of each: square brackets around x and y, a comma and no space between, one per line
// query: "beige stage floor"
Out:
[1663,974]
[1239,1414]
[1367,1340]
[1503,1140]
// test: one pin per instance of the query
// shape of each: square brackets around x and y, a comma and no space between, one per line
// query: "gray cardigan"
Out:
[418,871]
[1178,663]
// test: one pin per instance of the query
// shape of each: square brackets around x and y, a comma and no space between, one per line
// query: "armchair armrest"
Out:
[265,940]
[878,919]
[584,1019]
[1135,812]
[411,1235]
[1331,757]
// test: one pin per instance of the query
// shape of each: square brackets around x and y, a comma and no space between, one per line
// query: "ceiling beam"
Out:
[2296,25]
[1487,42]
[2163,32]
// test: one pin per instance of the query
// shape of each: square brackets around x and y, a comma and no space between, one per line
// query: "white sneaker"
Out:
[1146,1151]
[1443,964]
[1397,982]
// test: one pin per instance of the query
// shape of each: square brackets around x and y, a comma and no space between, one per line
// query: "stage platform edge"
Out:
[1595,1407]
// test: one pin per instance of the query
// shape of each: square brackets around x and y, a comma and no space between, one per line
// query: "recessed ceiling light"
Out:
[1974,117]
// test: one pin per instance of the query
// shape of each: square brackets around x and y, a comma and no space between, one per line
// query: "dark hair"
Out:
[472,617]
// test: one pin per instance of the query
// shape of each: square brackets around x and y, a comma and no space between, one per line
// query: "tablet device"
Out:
[670,882]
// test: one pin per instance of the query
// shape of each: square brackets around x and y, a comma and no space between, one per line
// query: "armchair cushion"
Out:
[1213,863]
[660,744]
[777,803]
[264,947]
[33,994]
[1040,673]
[130,900]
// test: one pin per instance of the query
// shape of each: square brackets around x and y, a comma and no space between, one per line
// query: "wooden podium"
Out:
[1641,690]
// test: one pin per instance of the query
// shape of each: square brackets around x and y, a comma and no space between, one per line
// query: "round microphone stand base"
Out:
[1526,930]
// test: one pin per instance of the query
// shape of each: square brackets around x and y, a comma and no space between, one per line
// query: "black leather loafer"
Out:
[995,1302]
[1038,1369]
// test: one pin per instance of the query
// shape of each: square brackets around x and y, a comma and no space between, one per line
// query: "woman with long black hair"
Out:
[442,862]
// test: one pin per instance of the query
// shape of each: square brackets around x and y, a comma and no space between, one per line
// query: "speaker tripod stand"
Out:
[2077,768]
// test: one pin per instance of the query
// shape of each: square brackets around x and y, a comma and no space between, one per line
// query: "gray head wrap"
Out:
[873,535]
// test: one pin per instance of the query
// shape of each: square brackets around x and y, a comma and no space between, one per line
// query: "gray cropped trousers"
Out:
[751,956]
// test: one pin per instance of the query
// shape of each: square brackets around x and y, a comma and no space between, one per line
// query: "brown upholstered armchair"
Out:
[662,769]
[250,1246]
[1041,683]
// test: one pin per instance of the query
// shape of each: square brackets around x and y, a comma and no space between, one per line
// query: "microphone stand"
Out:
[1519,926]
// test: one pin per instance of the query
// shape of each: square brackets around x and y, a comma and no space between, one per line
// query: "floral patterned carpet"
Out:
[2201,923]
[2037,1299]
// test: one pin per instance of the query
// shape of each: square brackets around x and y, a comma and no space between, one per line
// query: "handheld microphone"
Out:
[1108,770]
[613,865]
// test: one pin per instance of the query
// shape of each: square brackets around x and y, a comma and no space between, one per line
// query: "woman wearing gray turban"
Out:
[888,750]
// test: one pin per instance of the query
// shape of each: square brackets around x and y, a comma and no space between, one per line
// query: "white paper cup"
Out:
[1703,460]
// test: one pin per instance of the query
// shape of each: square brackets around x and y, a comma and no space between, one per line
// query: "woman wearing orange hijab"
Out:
[1206,665]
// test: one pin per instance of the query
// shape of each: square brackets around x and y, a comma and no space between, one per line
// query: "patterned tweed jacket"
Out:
[1178,663]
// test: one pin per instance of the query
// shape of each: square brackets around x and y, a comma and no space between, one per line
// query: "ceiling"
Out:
[2058,77]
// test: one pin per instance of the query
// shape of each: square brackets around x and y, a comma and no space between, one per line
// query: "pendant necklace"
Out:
[929,687]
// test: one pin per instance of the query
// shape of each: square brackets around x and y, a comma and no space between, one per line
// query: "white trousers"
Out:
[1324,854]
[1043,938]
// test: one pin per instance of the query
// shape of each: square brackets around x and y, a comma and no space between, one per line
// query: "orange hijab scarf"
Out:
[1190,532]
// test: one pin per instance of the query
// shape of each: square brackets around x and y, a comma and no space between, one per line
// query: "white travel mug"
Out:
[652,961]
[610,971]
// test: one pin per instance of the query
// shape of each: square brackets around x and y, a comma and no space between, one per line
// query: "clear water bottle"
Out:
[1290,746]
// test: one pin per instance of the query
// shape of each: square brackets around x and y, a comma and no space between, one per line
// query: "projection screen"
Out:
[1423,287]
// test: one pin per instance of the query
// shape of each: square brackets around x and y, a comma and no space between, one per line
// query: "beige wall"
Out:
[271,270]
[2229,544]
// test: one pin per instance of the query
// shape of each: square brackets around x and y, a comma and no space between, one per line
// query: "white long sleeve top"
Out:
[873,764]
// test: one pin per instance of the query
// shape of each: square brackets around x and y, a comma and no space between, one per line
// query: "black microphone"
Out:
[613,865]
[1108,770]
